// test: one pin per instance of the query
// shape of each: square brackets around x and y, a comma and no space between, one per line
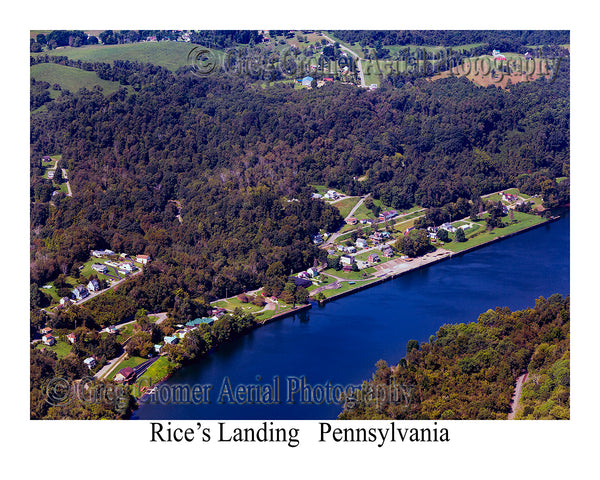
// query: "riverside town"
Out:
[300,225]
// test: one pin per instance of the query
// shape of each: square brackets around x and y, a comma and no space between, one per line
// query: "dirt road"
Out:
[514,404]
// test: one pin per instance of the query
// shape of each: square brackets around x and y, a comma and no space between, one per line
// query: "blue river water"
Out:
[294,359]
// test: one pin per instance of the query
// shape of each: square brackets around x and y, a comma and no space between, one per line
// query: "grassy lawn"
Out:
[124,332]
[346,205]
[52,292]
[345,286]
[71,78]
[365,256]
[157,371]
[402,226]
[523,220]
[350,275]
[87,270]
[232,303]
[62,187]
[61,348]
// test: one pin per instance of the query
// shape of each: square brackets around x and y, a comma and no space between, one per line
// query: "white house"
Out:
[143,259]
[361,243]
[346,260]
[93,285]
[312,272]
[449,228]
[80,292]
[90,362]
[100,267]
[48,340]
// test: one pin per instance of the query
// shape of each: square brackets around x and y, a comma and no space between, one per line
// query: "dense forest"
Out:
[503,40]
[239,159]
[468,371]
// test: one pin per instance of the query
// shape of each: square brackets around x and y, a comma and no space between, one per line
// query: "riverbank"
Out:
[142,392]
[396,268]
[386,271]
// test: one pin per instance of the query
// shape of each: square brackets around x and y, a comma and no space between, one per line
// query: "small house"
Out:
[318,239]
[93,285]
[48,340]
[313,272]
[346,260]
[171,340]
[387,252]
[346,268]
[46,331]
[90,362]
[301,282]
[143,259]
[361,243]
[374,258]
[126,375]
[307,81]
[351,249]
[387,215]
[127,266]
[351,220]
[201,320]
[98,253]
[100,267]
[112,329]
[71,337]
[80,292]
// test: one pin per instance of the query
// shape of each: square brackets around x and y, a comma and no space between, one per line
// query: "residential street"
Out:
[356,57]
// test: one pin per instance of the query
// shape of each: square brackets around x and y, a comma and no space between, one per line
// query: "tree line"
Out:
[468,371]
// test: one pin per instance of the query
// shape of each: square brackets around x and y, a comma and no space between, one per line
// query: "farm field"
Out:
[70,78]
[170,55]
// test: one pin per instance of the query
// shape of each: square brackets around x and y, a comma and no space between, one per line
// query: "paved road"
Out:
[64,173]
[514,404]
[356,57]
[115,284]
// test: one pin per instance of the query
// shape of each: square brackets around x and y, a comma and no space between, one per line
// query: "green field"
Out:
[349,275]
[61,348]
[523,220]
[346,205]
[170,55]
[345,287]
[70,78]
[156,372]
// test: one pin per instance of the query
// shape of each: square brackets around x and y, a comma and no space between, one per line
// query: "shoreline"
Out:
[424,261]
[150,388]
[432,258]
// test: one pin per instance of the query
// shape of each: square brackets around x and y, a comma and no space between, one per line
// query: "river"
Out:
[339,343]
